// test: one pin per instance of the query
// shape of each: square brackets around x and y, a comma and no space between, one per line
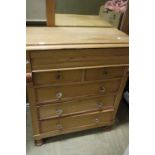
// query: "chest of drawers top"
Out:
[42,38]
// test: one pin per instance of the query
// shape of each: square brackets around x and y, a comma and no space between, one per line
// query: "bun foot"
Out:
[39,142]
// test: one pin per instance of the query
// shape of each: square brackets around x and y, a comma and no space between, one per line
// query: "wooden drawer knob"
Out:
[97,120]
[59,112]
[99,105]
[59,95]
[105,72]
[59,126]
[58,76]
[28,77]
[102,89]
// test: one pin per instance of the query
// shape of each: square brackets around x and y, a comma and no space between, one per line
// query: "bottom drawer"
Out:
[73,122]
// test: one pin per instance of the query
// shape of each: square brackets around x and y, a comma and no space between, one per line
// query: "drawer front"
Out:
[74,122]
[77,106]
[57,77]
[60,93]
[78,58]
[104,73]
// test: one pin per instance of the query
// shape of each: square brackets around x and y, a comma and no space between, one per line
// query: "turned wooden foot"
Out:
[39,142]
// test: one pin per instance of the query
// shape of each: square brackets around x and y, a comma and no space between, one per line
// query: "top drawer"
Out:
[55,59]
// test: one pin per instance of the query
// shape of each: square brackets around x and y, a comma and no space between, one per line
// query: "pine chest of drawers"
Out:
[76,78]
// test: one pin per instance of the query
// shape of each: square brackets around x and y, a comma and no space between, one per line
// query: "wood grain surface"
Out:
[42,36]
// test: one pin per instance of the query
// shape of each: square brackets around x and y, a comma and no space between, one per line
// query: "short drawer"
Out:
[76,106]
[104,73]
[57,77]
[77,121]
[60,93]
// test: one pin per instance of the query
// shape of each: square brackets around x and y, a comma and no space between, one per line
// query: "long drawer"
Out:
[66,123]
[57,93]
[55,59]
[76,106]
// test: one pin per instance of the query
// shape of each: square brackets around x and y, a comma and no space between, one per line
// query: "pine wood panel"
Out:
[50,12]
[75,107]
[57,77]
[57,93]
[122,86]
[28,64]
[33,109]
[103,73]
[34,47]
[74,35]
[78,58]
[76,121]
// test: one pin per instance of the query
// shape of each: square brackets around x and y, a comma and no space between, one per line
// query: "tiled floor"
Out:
[90,142]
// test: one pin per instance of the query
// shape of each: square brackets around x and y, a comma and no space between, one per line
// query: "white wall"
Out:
[35,10]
